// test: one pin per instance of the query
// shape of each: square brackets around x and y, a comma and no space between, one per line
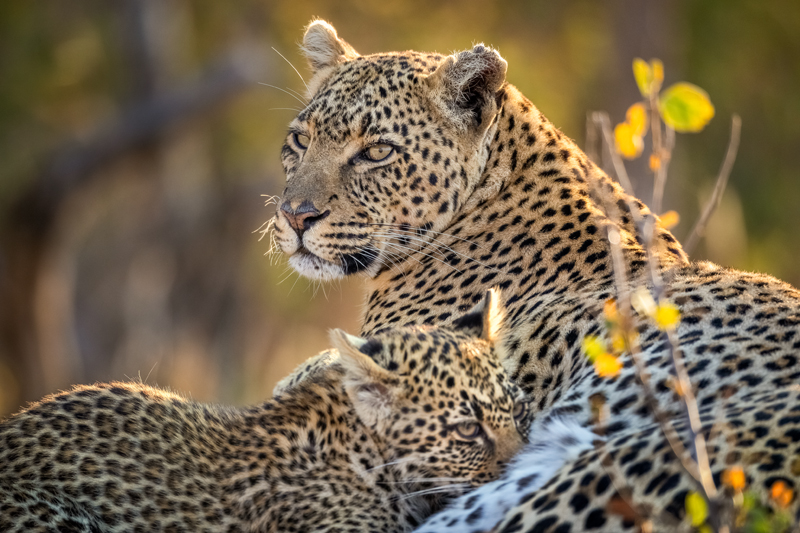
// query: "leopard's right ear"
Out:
[323,48]
[465,86]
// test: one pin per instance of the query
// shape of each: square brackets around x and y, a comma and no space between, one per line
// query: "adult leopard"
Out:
[361,447]
[435,179]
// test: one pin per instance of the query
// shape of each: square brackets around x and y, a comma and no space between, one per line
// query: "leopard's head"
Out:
[438,398]
[385,154]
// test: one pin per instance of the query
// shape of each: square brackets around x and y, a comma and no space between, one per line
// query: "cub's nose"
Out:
[302,217]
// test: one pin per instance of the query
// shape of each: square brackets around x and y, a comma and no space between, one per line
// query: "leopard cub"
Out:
[369,442]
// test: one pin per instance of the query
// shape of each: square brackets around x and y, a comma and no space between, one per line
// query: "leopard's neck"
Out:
[534,227]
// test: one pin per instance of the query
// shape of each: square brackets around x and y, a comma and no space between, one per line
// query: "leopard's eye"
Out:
[301,140]
[379,152]
[520,408]
[469,430]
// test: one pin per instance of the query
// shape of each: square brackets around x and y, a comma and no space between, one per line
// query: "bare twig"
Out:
[719,188]
[664,158]
[700,470]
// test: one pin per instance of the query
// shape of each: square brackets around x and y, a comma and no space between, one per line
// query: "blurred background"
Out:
[136,147]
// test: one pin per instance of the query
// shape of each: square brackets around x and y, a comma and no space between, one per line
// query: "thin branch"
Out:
[702,470]
[719,188]
[664,157]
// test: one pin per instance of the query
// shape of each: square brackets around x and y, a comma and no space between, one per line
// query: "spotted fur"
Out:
[367,444]
[552,445]
[481,190]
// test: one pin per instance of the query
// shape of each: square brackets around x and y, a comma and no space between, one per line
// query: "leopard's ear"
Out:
[465,86]
[371,388]
[485,320]
[323,48]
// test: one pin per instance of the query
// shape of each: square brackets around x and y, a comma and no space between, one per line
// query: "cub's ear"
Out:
[485,320]
[466,83]
[370,387]
[323,48]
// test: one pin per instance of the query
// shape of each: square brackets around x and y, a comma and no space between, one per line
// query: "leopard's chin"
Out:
[314,267]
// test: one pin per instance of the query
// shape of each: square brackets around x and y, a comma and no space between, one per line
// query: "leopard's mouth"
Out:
[313,266]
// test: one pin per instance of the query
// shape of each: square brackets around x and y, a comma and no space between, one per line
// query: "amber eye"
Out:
[379,152]
[520,408]
[301,140]
[469,430]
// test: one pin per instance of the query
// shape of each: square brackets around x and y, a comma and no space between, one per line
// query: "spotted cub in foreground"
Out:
[366,444]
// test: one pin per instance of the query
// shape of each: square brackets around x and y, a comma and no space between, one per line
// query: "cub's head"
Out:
[384,155]
[438,397]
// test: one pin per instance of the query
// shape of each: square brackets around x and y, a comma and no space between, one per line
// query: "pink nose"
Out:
[303,217]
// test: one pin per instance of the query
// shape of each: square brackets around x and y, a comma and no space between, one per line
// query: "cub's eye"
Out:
[520,409]
[301,140]
[469,430]
[379,152]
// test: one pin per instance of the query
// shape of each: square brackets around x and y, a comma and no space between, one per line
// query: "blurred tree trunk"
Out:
[26,236]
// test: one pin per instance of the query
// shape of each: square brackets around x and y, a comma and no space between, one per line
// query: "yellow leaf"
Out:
[657,68]
[618,344]
[643,76]
[685,107]
[666,316]
[636,116]
[705,528]
[696,508]
[629,145]
[733,477]
[649,77]
[593,347]
[670,219]
[607,366]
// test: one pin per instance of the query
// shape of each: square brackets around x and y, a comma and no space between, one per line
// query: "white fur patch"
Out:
[313,267]
[553,445]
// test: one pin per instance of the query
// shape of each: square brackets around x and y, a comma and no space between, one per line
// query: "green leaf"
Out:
[696,508]
[685,107]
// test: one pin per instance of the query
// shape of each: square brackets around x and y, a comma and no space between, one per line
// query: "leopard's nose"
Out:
[303,216]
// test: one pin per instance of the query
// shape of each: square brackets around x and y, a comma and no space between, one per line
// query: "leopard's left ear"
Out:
[323,48]
[465,86]
[371,387]
[485,320]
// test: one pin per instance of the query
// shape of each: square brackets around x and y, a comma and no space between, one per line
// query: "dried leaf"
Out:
[734,478]
[670,219]
[781,494]
[642,301]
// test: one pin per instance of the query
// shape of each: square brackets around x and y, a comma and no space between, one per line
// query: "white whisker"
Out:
[454,488]
[285,91]
[290,64]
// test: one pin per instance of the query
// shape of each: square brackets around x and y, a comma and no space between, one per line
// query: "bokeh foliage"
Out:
[151,268]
